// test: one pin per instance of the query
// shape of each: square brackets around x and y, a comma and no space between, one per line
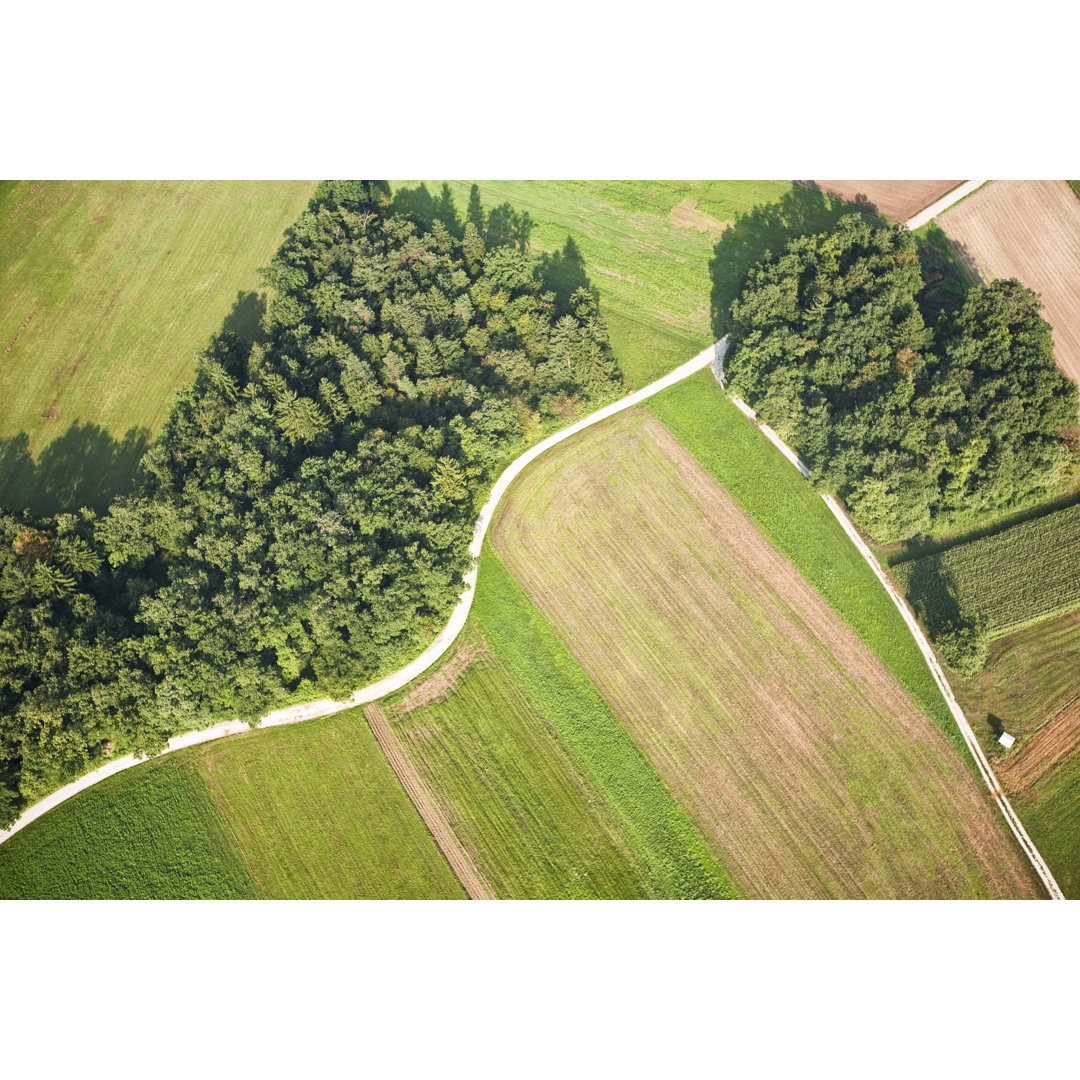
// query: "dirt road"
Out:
[296,714]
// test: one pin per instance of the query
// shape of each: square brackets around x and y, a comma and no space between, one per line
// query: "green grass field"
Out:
[796,520]
[303,812]
[667,256]
[543,783]
[1013,578]
[1051,814]
[108,289]
[319,814]
[153,832]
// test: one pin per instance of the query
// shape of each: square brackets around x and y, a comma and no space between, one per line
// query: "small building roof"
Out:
[1006,740]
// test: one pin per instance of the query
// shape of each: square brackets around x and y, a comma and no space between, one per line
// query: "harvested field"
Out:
[1029,230]
[1044,750]
[897,199]
[797,755]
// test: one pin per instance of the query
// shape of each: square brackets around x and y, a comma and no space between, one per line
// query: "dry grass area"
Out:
[1029,230]
[797,755]
[687,216]
[897,199]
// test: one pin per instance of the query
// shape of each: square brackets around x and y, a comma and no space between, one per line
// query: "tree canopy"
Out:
[909,423]
[301,524]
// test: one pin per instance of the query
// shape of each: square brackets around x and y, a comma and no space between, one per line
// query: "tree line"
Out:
[300,525]
[914,423]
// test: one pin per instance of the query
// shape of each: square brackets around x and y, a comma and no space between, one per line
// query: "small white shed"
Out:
[1006,740]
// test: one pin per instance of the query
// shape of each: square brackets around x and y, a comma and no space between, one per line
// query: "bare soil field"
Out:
[797,755]
[1029,230]
[897,199]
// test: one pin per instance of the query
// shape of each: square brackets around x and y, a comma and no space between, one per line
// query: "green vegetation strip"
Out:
[1012,579]
[676,859]
[797,521]
[150,833]
[1051,815]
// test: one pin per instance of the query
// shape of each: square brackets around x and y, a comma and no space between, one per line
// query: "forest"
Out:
[300,525]
[914,414]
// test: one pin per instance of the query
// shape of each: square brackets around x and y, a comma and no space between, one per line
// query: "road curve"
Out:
[295,714]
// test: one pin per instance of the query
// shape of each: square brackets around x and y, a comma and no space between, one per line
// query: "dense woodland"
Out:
[301,524]
[912,415]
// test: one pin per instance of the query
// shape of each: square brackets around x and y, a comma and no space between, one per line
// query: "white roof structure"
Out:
[1006,740]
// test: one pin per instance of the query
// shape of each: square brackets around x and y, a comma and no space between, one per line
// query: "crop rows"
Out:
[1014,578]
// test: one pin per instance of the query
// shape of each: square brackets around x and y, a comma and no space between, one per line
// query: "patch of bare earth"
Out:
[796,753]
[439,686]
[461,862]
[897,199]
[1040,753]
[1029,230]
[687,216]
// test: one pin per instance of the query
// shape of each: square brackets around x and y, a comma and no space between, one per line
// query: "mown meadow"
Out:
[108,289]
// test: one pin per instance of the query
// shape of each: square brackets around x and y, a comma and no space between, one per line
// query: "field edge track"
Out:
[295,714]
[461,862]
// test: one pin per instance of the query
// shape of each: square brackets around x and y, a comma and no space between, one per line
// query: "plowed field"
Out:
[1030,230]
[797,755]
[898,199]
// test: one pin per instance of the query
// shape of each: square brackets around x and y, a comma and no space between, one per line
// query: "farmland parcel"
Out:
[108,289]
[897,199]
[1030,230]
[797,755]
[1013,578]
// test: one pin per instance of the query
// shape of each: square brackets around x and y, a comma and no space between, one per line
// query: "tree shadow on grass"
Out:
[85,466]
[563,273]
[246,318]
[765,230]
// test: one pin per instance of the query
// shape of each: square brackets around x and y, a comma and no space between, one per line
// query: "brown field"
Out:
[1029,230]
[797,755]
[1047,748]
[897,199]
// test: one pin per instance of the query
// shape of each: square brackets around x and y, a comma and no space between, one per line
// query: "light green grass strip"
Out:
[796,520]
[151,833]
[677,860]
[318,813]
[1051,815]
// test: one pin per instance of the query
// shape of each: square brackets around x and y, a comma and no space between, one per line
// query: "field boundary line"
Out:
[1027,845]
[925,216]
[295,714]
[427,806]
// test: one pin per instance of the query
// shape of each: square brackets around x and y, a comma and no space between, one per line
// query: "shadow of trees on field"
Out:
[563,273]
[498,226]
[85,466]
[245,320]
[765,230]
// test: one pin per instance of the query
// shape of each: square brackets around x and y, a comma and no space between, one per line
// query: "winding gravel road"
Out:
[296,714]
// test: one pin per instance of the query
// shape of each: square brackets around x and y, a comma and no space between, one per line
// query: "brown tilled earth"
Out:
[797,754]
[1029,230]
[897,199]
[1041,752]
